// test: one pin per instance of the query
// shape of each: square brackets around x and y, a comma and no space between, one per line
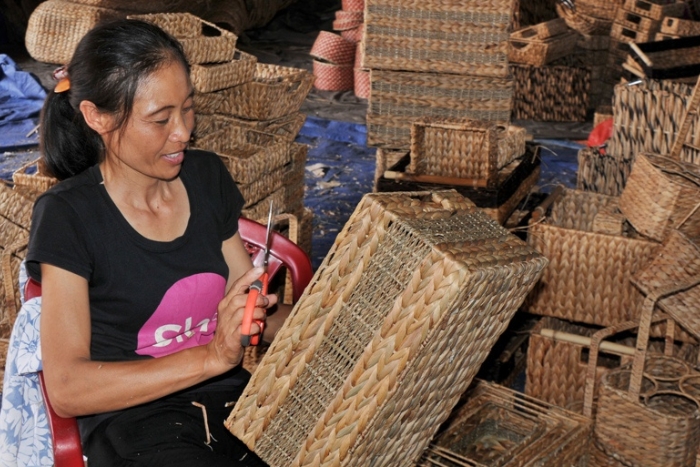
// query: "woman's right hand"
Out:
[225,350]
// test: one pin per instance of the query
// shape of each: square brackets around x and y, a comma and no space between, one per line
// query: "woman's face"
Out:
[153,140]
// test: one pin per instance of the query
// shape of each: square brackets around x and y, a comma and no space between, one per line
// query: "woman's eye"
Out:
[163,122]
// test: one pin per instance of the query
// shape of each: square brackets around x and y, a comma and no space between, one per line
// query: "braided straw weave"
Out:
[217,76]
[388,335]
[438,36]
[55,28]
[601,173]
[464,148]
[397,99]
[286,127]
[497,426]
[588,277]
[248,154]
[202,41]
[662,194]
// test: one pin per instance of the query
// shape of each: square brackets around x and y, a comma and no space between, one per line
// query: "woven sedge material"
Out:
[662,194]
[538,52]
[330,77]
[438,36]
[366,366]
[463,148]
[552,93]
[540,31]
[353,5]
[637,22]
[601,173]
[588,277]
[605,9]
[539,433]
[655,9]
[333,48]
[217,76]
[354,35]
[286,127]
[397,99]
[680,27]
[361,83]
[583,23]
[209,44]
[55,28]
[36,181]
[385,159]
[501,213]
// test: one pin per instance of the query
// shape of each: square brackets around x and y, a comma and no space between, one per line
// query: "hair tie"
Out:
[60,74]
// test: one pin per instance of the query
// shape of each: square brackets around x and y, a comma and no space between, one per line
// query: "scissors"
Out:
[256,288]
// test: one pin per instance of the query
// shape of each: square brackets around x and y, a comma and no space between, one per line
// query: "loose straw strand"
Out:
[206,422]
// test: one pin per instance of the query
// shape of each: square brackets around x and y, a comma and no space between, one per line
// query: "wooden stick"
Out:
[641,54]
[472,182]
[583,340]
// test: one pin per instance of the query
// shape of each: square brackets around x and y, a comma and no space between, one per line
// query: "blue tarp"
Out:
[21,98]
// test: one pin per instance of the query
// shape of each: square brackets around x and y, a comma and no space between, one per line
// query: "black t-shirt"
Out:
[147,298]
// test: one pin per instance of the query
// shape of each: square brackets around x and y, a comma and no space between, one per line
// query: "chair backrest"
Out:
[67,449]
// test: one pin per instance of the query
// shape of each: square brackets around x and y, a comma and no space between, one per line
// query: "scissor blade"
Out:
[268,236]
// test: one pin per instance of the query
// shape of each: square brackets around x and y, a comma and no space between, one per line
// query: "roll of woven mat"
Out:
[345,20]
[354,34]
[362,83]
[333,48]
[353,5]
[332,77]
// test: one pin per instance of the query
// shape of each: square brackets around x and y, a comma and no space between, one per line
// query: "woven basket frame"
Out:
[329,402]
[587,279]
[454,36]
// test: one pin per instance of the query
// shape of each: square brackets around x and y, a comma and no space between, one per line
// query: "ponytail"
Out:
[67,144]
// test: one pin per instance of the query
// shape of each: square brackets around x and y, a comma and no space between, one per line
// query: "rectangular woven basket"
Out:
[464,148]
[588,277]
[286,127]
[655,9]
[539,52]
[410,275]
[399,98]
[216,76]
[497,426]
[447,36]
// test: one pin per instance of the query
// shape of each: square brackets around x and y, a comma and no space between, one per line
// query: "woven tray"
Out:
[588,277]
[286,127]
[552,93]
[275,91]
[55,28]
[217,76]
[557,437]
[202,41]
[248,154]
[448,36]
[662,194]
[352,359]
[399,98]
[464,148]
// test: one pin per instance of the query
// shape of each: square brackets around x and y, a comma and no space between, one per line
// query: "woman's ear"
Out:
[99,121]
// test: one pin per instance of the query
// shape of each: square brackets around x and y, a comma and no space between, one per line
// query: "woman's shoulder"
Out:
[79,186]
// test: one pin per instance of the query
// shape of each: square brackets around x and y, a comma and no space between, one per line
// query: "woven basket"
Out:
[662,194]
[588,277]
[448,36]
[202,41]
[378,320]
[333,48]
[655,9]
[217,76]
[601,173]
[55,28]
[643,417]
[539,52]
[248,154]
[4,346]
[286,127]
[497,426]
[680,27]
[274,92]
[399,98]
[583,23]
[552,93]
[464,148]
[557,360]
[36,181]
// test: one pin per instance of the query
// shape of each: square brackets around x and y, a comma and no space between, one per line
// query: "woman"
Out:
[144,276]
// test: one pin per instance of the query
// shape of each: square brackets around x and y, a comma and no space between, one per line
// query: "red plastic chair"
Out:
[67,449]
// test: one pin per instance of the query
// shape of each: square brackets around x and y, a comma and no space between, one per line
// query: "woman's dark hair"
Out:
[107,66]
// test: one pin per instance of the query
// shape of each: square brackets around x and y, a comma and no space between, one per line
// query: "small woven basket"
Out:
[202,41]
[409,275]
[286,127]
[655,9]
[464,148]
[33,177]
[497,426]
[55,28]
[539,52]
[583,23]
[662,194]
[217,76]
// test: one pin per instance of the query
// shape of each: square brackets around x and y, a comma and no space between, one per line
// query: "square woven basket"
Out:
[497,426]
[438,36]
[388,334]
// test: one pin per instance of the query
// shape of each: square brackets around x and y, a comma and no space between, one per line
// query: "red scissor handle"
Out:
[256,288]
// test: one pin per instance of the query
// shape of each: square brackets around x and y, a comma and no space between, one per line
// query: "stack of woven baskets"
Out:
[337,57]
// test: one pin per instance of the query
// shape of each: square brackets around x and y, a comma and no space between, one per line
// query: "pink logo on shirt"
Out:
[186,317]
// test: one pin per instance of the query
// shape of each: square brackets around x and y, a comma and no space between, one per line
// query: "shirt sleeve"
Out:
[57,237]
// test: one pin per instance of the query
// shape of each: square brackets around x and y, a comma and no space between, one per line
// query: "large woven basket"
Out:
[202,41]
[248,154]
[662,194]
[397,99]
[55,27]
[275,91]
[498,426]
[588,277]
[366,367]
[448,36]
[464,148]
